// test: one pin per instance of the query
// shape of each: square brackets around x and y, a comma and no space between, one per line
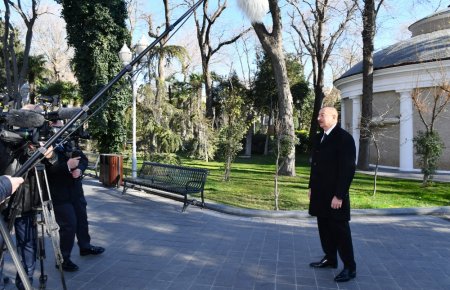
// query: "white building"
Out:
[421,63]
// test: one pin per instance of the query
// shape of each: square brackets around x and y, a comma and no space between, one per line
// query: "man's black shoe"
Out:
[68,266]
[345,275]
[324,263]
[92,250]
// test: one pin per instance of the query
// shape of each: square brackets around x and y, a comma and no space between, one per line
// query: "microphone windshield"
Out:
[68,113]
[254,9]
[24,119]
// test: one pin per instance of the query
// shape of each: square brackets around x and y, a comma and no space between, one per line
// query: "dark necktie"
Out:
[323,137]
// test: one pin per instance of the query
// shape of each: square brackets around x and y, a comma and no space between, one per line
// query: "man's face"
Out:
[327,118]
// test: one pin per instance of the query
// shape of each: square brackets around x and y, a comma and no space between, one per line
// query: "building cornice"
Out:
[400,78]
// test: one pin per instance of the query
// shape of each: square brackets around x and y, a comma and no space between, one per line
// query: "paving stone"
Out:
[150,244]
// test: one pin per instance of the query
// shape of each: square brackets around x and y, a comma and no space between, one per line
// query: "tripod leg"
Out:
[7,238]
[49,219]
[41,253]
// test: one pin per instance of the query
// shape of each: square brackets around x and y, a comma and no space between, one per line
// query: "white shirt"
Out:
[329,130]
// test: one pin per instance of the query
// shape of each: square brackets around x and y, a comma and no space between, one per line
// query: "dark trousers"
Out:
[336,237]
[26,239]
[72,220]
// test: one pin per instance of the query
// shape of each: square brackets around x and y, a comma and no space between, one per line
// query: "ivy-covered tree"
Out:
[97,30]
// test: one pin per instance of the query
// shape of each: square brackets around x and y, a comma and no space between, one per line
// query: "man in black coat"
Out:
[69,203]
[332,171]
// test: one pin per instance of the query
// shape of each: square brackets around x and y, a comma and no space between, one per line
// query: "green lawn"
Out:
[252,183]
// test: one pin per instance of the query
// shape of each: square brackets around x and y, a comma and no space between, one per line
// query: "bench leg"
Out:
[124,188]
[186,203]
[203,200]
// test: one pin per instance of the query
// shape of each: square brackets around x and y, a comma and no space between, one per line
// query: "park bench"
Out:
[93,161]
[174,179]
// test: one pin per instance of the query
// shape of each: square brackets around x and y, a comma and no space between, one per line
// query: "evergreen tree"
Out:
[97,30]
[265,93]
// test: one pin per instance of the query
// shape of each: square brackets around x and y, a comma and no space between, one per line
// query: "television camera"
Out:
[18,127]
[22,133]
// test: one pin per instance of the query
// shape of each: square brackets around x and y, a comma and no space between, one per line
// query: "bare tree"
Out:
[315,32]
[283,143]
[345,57]
[375,133]
[204,25]
[272,43]
[15,76]
[50,41]
[160,80]
[369,14]
[430,105]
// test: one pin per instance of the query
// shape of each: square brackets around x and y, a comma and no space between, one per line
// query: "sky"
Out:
[394,18]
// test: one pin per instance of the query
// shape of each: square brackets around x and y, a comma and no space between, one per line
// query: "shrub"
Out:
[303,141]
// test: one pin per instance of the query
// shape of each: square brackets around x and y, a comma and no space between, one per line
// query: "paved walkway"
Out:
[394,173]
[150,244]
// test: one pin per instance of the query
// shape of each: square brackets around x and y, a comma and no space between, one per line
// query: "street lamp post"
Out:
[126,56]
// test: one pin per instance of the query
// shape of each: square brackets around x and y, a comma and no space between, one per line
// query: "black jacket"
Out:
[26,199]
[332,171]
[63,187]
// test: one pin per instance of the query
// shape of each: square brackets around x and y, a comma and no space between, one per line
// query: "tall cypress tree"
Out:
[97,30]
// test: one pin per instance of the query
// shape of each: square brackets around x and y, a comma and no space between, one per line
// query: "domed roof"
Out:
[430,42]
[434,22]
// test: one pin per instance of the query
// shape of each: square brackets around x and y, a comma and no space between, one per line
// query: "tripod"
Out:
[47,218]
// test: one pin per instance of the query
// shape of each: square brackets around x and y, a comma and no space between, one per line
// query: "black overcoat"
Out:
[332,171]
[63,187]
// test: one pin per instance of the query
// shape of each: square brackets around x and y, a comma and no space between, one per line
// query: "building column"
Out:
[343,114]
[356,117]
[406,146]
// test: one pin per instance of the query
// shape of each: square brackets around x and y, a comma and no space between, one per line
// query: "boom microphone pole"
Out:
[128,68]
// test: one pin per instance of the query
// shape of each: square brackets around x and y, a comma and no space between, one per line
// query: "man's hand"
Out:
[76,173]
[309,193]
[49,152]
[336,203]
[15,182]
[72,163]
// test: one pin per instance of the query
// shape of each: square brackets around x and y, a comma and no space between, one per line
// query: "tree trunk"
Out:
[266,143]
[208,90]
[248,141]
[367,97]
[276,192]
[319,95]
[272,44]
[160,81]
[285,104]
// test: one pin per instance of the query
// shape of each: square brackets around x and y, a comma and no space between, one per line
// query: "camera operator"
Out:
[69,203]
[26,207]
[24,222]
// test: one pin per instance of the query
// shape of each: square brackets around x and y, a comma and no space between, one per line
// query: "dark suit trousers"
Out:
[336,237]
[72,221]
